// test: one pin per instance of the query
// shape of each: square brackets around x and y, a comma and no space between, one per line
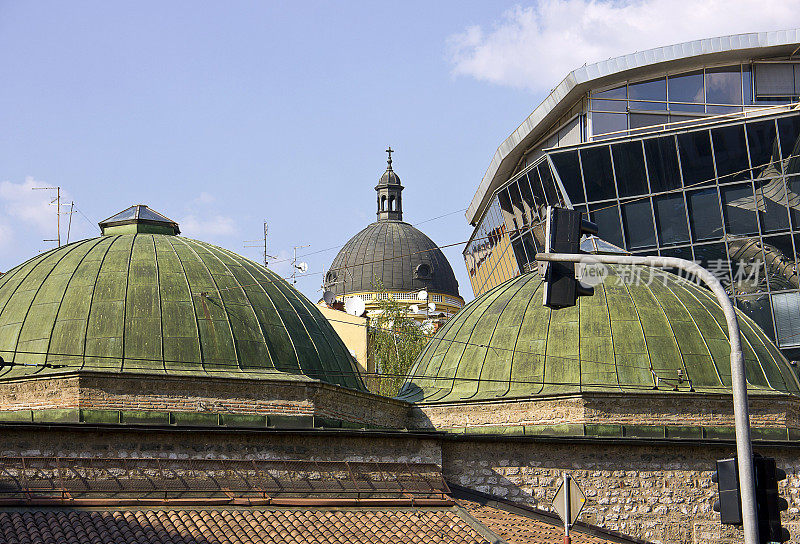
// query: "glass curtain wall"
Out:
[511,232]
[630,108]
[726,196]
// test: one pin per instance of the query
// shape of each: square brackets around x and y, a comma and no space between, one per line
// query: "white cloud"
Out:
[207,225]
[33,208]
[6,235]
[535,47]
[205,198]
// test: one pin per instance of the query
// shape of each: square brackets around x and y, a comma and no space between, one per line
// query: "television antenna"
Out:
[301,266]
[57,202]
[264,250]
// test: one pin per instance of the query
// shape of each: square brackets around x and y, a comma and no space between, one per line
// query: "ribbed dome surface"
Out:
[398,255]
[506,344]
[165,304]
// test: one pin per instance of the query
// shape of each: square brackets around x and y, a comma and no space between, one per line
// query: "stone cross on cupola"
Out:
[390,201]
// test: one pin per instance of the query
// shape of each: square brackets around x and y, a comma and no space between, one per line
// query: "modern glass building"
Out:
[688,151]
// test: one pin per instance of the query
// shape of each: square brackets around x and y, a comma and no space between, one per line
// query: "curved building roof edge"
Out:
[578,80]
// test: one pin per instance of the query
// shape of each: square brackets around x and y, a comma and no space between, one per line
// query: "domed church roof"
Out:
[160,303]
[394,252]
[662,333]
[398,255]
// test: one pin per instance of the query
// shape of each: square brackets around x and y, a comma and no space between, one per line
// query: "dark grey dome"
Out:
[395,253]
[389,178]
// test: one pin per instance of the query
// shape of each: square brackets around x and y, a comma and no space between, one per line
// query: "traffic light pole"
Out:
[744,448]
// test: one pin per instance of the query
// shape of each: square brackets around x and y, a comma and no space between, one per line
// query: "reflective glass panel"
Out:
[713,258]
[536,187]
[606,217]
[704,216]
[637,217]
[647,106]
[724,85]
[519,254]
[757,308]
[739,206]
[763,148]
[568,168]
[686,88]
[531,209]
[723,109]
[730,153]
[747,85]
[771,204]
[549,184]
[787,318]
[662,163]
[655,89]
[617,93]
[779,256]
[696,162]
[529,243]
[671,219]
[793,197]
[508,210]
[642,120]
[747,265]
[629,168]
[603,123]
[597,173]
[680,253]
[609,105]
[789,130]
[678,108]
[516,200]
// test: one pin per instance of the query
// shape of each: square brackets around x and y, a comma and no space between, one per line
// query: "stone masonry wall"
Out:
[599,408]
[35,441]
[660,493]
[91,390]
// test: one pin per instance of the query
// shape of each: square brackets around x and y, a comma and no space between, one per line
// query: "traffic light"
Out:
[769,503]
[729,504]
[563,235]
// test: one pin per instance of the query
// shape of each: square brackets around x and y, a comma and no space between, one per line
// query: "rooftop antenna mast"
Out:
[57,202]
[251,242]
[302,266]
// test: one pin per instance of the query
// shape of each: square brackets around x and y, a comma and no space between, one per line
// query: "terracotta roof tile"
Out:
[237,526]
[519,529]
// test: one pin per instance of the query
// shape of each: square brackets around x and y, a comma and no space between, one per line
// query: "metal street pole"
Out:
[744,447]
[567,513]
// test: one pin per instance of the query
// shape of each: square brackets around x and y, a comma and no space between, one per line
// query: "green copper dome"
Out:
[160,303]
[662,333]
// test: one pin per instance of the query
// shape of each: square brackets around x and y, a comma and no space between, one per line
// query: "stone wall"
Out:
[658,408]
[169,393]
[658,491]
[173,443]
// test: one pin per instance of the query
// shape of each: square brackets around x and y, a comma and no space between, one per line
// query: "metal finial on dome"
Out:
[389,150]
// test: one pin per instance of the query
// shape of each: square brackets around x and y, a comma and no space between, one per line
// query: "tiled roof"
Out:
[518,529]
[237,526]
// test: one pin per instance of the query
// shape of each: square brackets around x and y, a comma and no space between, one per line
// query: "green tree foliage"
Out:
[395,340]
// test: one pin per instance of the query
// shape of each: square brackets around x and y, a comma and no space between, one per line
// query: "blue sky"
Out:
[221,115]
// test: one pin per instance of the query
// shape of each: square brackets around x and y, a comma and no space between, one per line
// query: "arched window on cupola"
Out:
[391,203]
[383,203]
